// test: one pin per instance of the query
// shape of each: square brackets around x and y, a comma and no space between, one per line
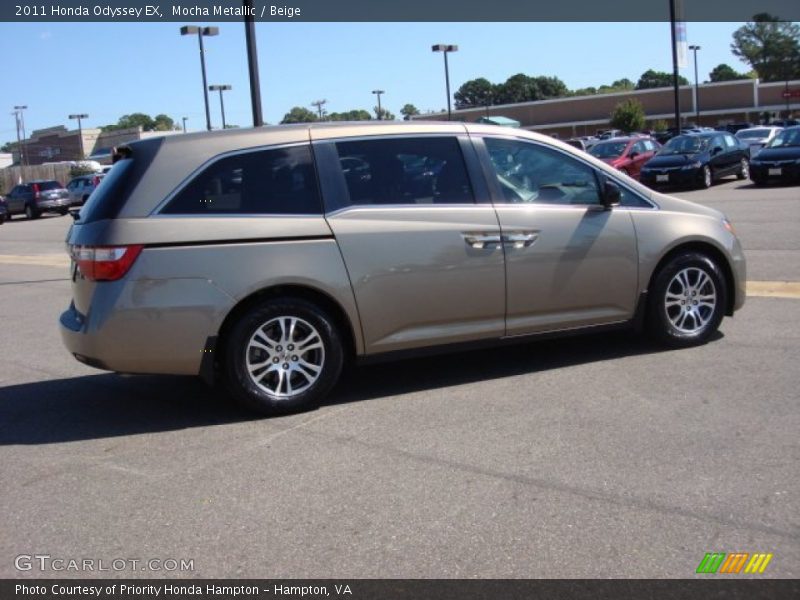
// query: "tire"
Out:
[261,342]
[707,178]
[692,278]
[30,213]
[744,170]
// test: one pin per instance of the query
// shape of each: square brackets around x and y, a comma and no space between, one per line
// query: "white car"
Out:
[757,137]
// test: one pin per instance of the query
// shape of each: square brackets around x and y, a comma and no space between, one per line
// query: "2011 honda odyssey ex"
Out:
[268,257]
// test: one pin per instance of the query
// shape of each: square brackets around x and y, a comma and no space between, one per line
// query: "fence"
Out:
[11,176]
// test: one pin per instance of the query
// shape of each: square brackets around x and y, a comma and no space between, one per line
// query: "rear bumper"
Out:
[146,326]
[60,204]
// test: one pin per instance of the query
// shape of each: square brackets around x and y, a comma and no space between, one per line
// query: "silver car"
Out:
[269,257]
[82,186]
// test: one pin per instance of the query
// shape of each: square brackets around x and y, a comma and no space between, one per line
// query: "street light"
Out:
[23,156]
[694,48]
[184,123]
[220,88]
[319,104]
[446,48]
[378,94]
[80,130]
[202,31]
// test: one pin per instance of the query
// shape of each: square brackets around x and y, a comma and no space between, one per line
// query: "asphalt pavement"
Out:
[595,456]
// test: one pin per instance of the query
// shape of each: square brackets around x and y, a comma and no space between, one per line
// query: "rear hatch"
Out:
[48,190]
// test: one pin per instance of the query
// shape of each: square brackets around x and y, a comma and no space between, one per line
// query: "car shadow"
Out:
[110,405]
[20,218]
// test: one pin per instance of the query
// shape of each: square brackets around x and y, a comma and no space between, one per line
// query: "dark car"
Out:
[779,160]
[3,210]
[37,197]
[626,154]
[697,160]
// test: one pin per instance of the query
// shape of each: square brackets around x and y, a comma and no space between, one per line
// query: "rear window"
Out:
[47,185]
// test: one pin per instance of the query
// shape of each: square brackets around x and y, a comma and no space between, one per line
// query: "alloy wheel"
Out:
[690,300]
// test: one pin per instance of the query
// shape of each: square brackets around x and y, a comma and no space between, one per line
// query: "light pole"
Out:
[202,31]
[80,130]
[446,48]
[184,123]
[252,62]
[694,48]
[319,104]
[378,94]
[220,88]
[23,156]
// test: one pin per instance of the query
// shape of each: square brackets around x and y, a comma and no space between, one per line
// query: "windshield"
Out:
[753,134]
[685,144]
[608,149]
[787,137]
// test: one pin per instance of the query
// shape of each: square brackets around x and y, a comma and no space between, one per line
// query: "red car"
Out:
[626,154]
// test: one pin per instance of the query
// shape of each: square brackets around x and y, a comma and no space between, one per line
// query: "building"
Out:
[720,104]
[57,144]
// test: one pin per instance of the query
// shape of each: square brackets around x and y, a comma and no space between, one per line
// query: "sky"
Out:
[107,70]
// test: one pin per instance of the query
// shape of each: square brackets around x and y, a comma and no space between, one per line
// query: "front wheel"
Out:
[687,300]
[744,170]
[283,355]
[706,177]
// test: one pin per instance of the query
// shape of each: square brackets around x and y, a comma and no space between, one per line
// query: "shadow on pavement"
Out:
[109,405]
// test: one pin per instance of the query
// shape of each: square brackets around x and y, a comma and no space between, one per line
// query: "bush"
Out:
[628,116]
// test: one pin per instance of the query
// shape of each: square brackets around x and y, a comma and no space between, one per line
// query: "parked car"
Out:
[785,123]
[697,159]
[3,210]
[251,257]
[82,186]
[37,197]
[757,137]
[779,160]
[626,154]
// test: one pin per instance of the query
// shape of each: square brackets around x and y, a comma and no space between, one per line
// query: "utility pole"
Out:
[319,104]
[252,62]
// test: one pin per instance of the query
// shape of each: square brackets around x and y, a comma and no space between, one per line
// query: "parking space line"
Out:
[773,289]
[38,260]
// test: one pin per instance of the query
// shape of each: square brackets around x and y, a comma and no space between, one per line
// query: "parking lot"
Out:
[595,456]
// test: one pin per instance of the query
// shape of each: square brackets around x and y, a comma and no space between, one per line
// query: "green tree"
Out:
[475,92]
[587,91]
[517,88]
[628,116]
[350,115]
[660,125]
[163,123]
[142,120]
[723,72]
[771,47]
[658,79]
[8,147]
[299,114]
[550,87]
[408,111]
[383,114]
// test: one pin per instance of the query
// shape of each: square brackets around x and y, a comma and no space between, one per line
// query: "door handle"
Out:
[482,240]
[522,239]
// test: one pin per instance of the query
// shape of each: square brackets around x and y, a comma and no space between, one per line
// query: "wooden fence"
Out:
[11,176]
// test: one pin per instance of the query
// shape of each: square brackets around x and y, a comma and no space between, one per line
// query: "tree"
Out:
[8,147]
[660,125]
[770,46]
[142,120]
[350,115]
[383,114]
[550,87]
[725,72]
[628,116]
[409,110]
[517,88]
[163,123]
[299,114]
[475,92]
[658,79]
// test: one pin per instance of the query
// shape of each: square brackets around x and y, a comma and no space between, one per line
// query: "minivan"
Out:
[266,258]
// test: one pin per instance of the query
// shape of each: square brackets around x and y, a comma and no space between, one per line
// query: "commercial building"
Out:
[720,104]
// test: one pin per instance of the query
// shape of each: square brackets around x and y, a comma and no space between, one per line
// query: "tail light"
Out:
[36,191]
[96,181]
[105,263]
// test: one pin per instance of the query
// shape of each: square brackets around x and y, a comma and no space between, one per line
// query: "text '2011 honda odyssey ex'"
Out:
[268,257]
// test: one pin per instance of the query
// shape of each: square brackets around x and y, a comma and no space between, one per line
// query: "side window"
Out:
[729,141]
[639,148]
[426,170]
[528,172]
[279,181]
[630,200]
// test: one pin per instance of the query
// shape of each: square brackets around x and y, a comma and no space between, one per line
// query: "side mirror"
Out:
[612,195]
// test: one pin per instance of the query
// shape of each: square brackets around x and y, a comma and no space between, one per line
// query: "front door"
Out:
[569,261]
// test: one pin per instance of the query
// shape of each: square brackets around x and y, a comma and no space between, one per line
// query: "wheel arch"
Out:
[713,252]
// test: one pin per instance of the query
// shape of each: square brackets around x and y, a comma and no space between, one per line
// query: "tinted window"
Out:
[405,171]
[44,186]
[280,181]
[608,149]
[528,172]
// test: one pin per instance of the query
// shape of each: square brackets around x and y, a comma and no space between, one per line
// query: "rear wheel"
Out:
[687,300]
[31,213]
[282,356]
[744,170]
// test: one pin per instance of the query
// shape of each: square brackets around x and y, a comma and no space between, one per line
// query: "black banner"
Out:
[407,10]
[398,589]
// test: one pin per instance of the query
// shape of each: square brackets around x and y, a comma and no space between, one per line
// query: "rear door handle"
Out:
[482,240]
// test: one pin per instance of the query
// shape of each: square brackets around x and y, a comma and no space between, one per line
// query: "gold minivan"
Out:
[268,257]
